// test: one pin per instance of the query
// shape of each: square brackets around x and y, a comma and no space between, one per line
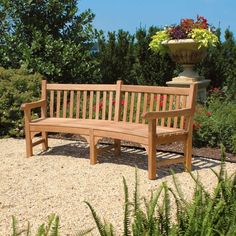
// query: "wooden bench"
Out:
[148,115]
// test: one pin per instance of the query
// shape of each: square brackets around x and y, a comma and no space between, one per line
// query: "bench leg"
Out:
[152,164]
[29,146]
[45,143]
[117,147]
[188,153]
[92,149]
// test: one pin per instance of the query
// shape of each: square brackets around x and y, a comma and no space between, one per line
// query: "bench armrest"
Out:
[27,107]
[32,105]
[162,114]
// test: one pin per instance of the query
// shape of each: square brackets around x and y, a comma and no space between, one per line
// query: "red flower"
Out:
[113,101]
[187,24]
[201,23]
[122,102]
[208,113]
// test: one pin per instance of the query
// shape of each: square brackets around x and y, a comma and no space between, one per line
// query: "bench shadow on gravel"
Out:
[129,156]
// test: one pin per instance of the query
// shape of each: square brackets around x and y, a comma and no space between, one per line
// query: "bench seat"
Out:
[113,129]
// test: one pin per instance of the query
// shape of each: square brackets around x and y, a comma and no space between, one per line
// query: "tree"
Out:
[151,68]
[49,37]
[116,56]
[220,65]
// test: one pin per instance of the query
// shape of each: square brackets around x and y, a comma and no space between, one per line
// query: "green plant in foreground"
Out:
[52,228]
[207,214]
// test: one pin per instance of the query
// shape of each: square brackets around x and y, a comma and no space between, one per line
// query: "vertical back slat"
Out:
[138,108]
[170,109]
[77,104]
[104,105]
[183,105]
[131,107]
[144,105]
[84,104]
[58,104]
[97,104]
[71,103]
[110,105]
[51,103]
[118,100]
[177,104]
[91,105]
[65,104]
[164,109]
[151,102]
[125,106]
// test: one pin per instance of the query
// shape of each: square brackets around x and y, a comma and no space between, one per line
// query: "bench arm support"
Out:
[27,107]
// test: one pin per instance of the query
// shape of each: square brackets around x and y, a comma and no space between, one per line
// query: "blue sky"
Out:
[131,14]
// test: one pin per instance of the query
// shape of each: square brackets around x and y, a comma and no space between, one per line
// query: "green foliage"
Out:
[48,37]
[220,65]
[151,68]
[214,123]
[52,228]
[16,87]
[49,229]
[116,56]
[157,40]
[126,57]
[207,214]
[205,38]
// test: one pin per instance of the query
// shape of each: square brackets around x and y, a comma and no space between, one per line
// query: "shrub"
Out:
[215,122]
[16,87]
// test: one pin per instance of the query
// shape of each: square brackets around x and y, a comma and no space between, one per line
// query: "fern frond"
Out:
[15,229]
[178,188]
[14,226]
[97,220]
[126,210]
[48,227]
[135,198]
[84,232]
[55,227]
[41,230]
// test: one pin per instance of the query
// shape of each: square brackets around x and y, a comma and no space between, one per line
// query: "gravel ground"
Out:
[59,180]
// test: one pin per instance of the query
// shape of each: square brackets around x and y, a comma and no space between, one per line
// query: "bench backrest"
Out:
[117,102]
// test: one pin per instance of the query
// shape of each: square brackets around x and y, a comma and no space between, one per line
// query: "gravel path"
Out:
[59,180]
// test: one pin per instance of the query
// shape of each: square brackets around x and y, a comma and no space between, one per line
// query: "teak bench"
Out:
[148,115]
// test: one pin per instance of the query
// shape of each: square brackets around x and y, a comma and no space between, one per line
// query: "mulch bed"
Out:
[206,152]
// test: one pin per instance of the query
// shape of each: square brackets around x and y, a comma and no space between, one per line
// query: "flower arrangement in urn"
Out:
[198,30]
[186,43]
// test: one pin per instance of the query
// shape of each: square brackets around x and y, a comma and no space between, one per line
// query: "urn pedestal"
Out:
[187,53]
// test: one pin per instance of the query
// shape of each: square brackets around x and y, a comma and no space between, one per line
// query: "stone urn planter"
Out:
[187,53]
